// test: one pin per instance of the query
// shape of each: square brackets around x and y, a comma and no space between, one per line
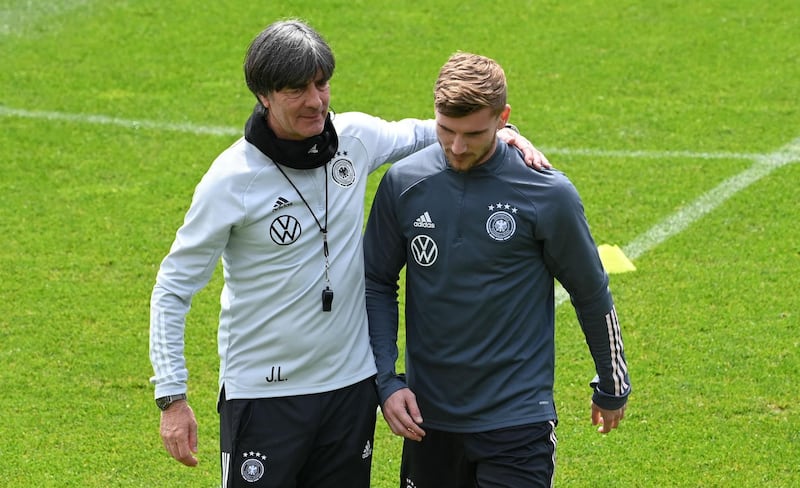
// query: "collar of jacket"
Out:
[306,154]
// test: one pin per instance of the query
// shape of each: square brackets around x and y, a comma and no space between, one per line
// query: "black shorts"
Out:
[305,441]
[504,458]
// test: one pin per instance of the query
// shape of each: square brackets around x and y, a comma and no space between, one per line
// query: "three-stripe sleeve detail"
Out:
[619,368]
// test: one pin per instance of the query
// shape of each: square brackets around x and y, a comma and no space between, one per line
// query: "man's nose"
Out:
[313,97]
[458,146]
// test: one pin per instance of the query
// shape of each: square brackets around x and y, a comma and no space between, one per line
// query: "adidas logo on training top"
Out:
[313,149]
[424,220]
[280,203]
[367,451]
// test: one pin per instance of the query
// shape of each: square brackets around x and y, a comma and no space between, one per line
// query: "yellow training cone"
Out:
[614,260]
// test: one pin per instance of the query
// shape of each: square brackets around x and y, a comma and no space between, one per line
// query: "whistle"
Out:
[327,299]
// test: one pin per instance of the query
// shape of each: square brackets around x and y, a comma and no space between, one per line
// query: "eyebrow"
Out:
[470,133]
[318,79]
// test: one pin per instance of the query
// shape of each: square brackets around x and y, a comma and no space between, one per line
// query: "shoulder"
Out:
[359,124]
[235,167]
[555,198]
[549,191]
[546,183]
[354,122]
[420,165]
[409,173]
[564,191]
[557,182]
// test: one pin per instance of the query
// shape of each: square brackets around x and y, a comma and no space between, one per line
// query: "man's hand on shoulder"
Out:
[533,157]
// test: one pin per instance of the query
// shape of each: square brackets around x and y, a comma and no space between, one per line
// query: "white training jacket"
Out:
[274,339]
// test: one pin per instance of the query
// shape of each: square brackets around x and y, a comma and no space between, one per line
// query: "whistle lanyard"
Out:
[327,293]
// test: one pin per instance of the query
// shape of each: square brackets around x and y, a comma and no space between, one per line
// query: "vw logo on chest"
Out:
[285,230]
[424,250]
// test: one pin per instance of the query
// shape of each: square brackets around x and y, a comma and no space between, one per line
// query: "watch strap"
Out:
[165,401]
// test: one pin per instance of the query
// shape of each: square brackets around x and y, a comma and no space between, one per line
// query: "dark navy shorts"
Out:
[322,440]
[505,458]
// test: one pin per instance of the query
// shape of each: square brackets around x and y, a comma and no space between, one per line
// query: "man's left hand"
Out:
[606,419]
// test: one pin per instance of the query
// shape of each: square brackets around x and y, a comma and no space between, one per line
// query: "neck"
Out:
[309,153]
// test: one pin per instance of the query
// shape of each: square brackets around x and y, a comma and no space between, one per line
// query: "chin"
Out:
[462,165]
[312,130]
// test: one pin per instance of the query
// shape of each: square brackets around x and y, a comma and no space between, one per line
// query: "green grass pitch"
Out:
[678,122]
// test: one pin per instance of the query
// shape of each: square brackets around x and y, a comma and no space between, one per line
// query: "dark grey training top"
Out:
[482,249]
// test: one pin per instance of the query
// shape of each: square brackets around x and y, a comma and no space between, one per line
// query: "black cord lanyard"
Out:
[327,293]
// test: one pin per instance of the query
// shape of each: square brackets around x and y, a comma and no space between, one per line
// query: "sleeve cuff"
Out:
[388,385]
[605,400]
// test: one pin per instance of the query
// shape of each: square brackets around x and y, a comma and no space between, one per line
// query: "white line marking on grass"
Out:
[712,199]
[34,16]
[126,123]
[672,225]
[683,218]
[231,131]
[649,154]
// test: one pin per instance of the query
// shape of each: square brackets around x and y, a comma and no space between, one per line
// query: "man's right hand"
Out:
[402,414]
[179,432]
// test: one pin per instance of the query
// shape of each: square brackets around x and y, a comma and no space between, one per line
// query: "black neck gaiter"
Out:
[306,154]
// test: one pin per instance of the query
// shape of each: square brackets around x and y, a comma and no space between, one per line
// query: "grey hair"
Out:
[288,53]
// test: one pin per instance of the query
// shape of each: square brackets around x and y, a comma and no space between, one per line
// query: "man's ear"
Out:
[504,115]
[264,100]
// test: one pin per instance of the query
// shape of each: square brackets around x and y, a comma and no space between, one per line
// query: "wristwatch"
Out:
[168,400]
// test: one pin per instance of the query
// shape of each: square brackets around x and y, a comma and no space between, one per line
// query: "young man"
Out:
[283,208]
[482,241]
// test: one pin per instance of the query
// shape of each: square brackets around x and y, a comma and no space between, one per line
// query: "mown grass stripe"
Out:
[22,16]
[676,223]
[120,122]
[190,128]
[707,202]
